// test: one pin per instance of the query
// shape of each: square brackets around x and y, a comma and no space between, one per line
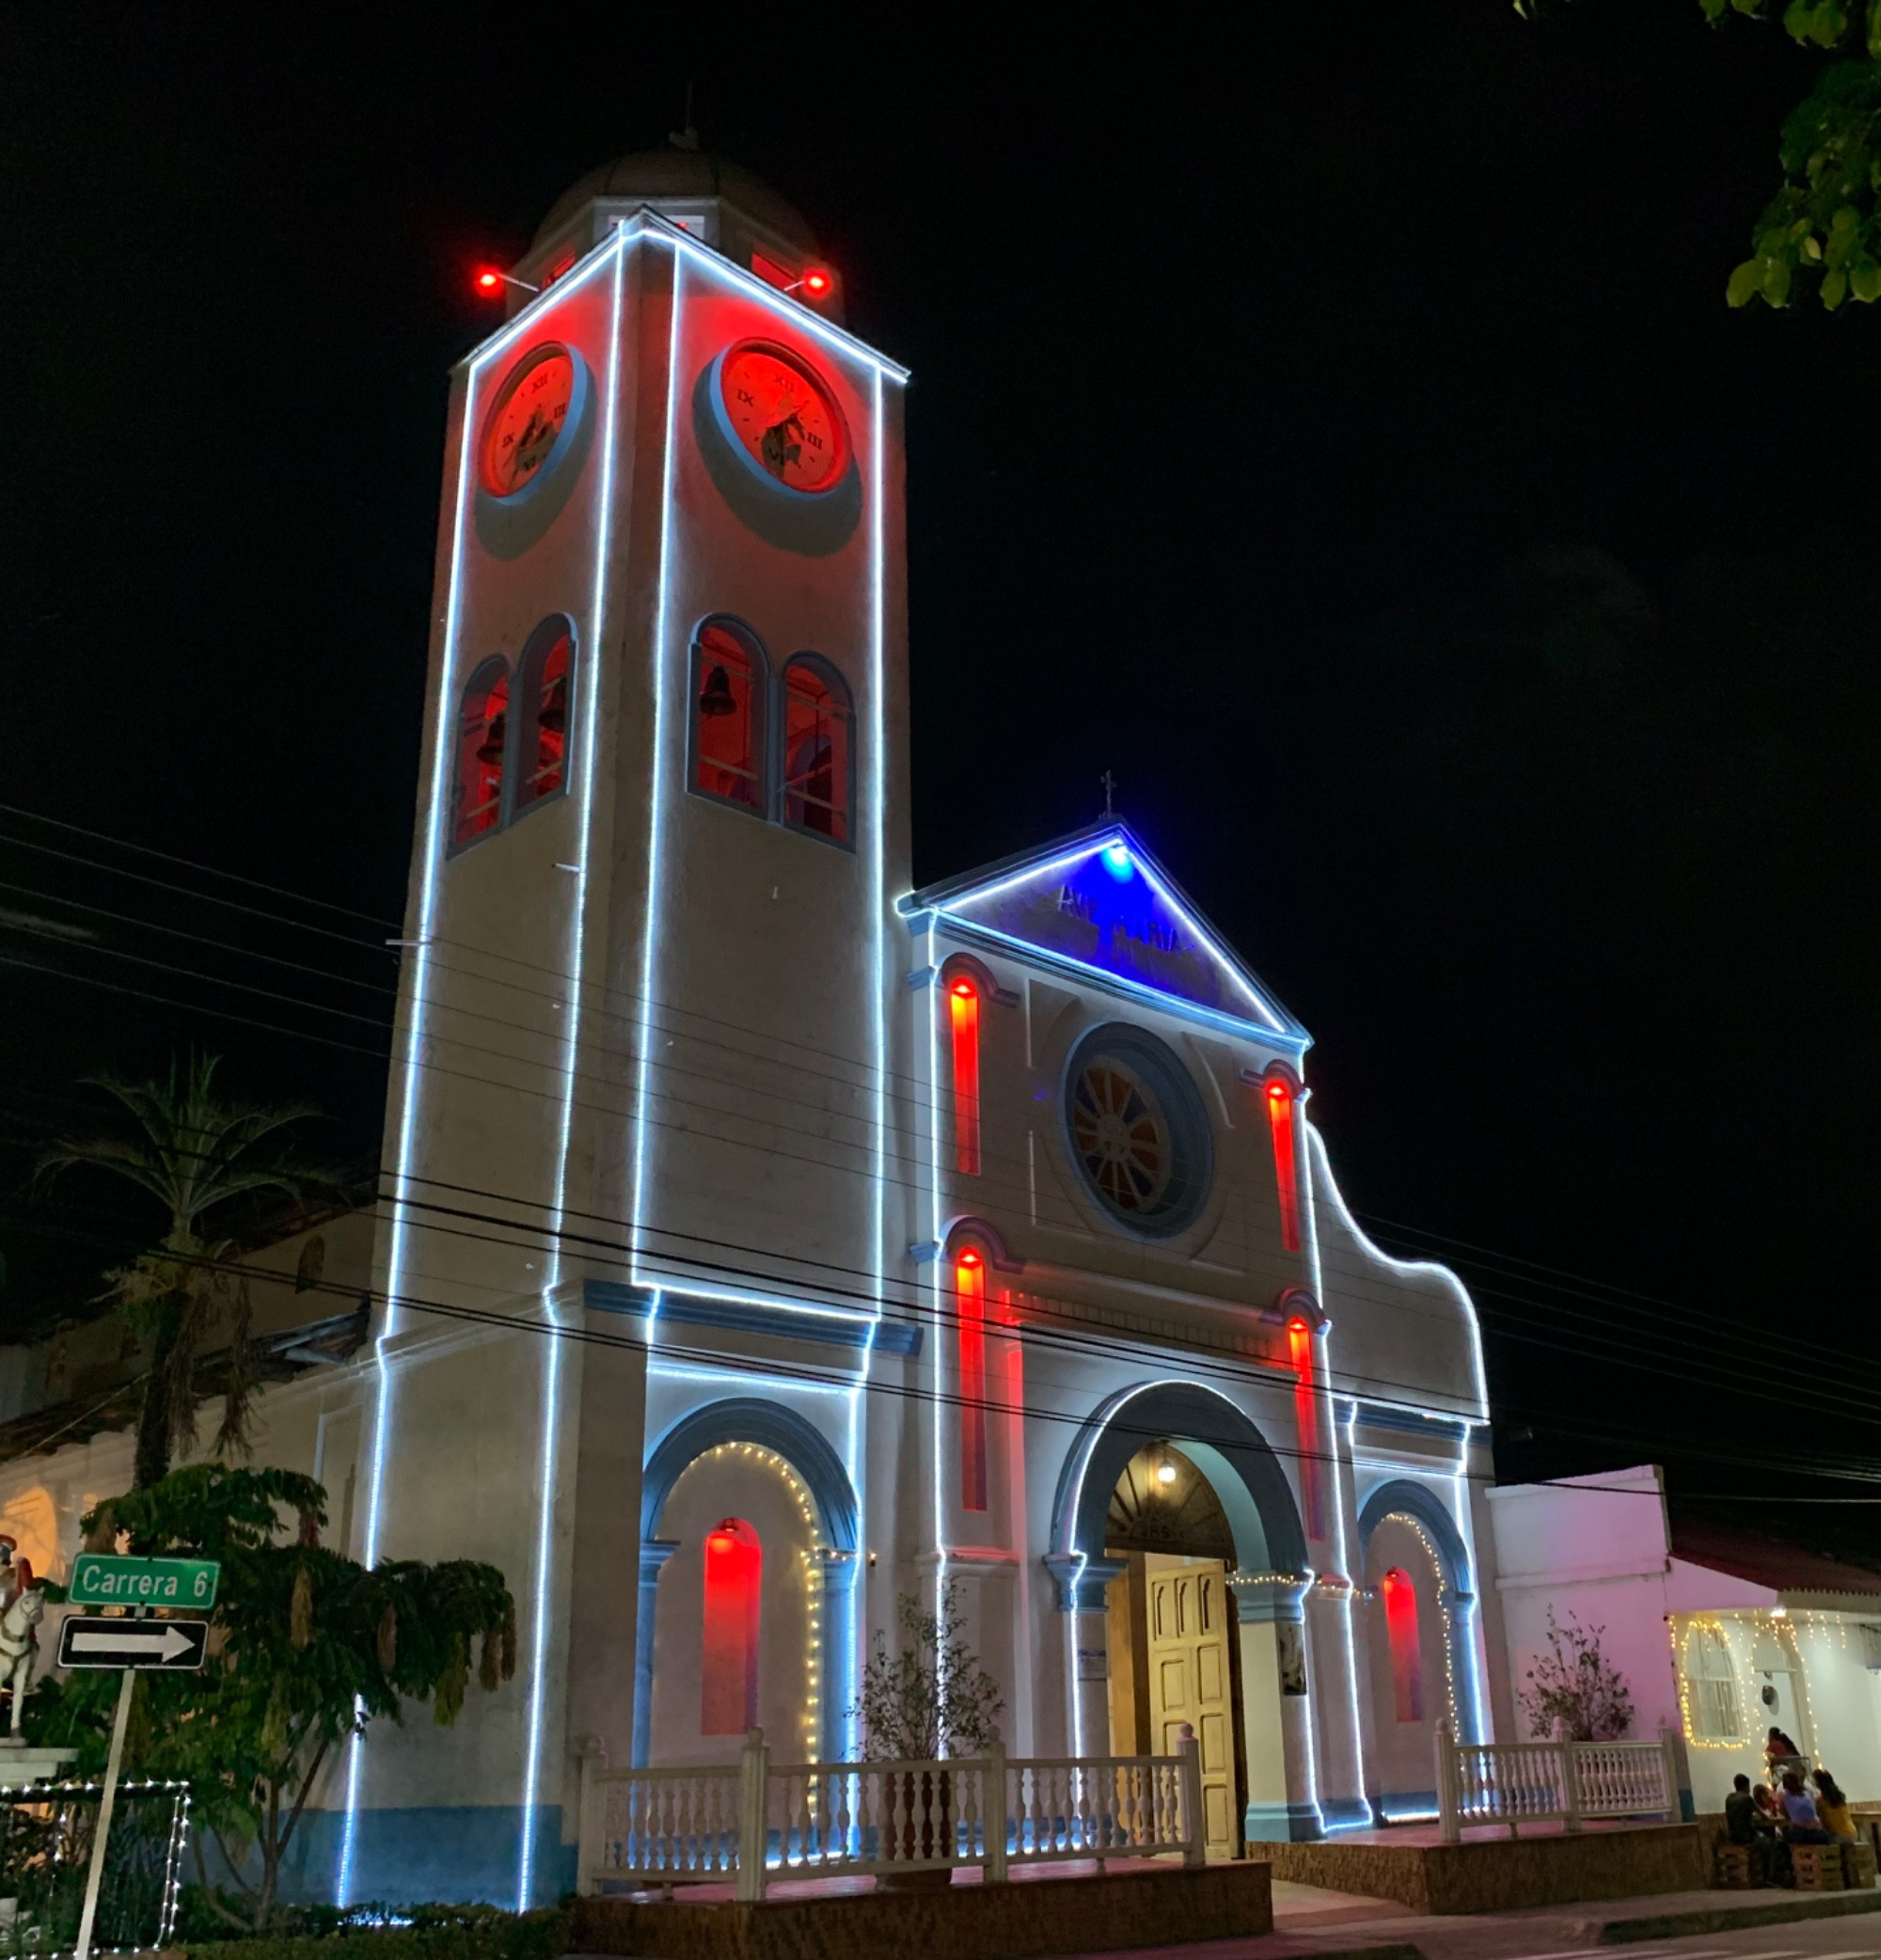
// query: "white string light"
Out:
[810,1559]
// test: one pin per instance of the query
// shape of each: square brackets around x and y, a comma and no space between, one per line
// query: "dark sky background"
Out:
[1336,431]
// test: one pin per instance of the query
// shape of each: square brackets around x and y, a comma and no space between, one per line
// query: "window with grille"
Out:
[1711,1684]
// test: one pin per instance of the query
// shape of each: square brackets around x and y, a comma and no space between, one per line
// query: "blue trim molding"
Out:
[1283,1823]
[460,1851]
[830,1329]
[1387,1416]
[1236,1459]
[1079,1582]
[1266,1598]
[1346,1813]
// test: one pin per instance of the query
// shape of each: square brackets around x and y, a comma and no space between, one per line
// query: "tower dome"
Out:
[717,201]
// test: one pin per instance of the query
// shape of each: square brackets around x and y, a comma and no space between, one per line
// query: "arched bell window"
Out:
[729,687]
[544,709]
[818,750]
[483,751]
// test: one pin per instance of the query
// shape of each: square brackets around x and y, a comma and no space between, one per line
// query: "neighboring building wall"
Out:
[1595,1548]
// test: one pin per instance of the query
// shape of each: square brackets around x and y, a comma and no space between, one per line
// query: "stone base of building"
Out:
[1503,1874]
[1014,1922]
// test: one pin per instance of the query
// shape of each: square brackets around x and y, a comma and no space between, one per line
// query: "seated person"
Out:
[1832,1806]
[1745,1824]
[1802,1825]
[1769,1811]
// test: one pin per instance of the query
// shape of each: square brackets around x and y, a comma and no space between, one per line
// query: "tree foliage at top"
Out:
[195,1154]
[1826,220]
[1574,1687]
[306,1649]
[1825,223]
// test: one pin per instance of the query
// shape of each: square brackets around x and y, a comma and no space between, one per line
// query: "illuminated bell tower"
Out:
[640,1081]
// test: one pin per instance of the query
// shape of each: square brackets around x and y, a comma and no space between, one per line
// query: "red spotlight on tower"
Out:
[488,283]
[817,282]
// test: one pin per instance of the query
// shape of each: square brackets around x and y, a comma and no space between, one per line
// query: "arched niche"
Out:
[780,1430]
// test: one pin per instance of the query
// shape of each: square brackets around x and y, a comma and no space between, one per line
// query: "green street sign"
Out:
[103,1579]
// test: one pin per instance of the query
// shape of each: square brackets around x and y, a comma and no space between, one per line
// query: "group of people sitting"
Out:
[1769,1820]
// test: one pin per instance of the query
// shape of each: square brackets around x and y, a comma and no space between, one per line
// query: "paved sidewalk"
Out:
[1311,1924]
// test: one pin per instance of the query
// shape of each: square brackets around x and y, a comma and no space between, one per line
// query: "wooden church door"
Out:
[1188,1680]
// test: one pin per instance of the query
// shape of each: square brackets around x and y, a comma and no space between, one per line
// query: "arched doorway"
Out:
[749,1536]
[1218,1544]
[1414,1606]
[1172,1656]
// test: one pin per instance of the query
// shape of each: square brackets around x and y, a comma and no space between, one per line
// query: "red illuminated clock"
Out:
[528,418]
[532,443]
[783,416]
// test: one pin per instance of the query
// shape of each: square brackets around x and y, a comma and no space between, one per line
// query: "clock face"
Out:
[531,407]
[784,416]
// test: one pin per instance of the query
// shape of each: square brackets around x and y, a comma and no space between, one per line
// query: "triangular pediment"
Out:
[1099,901]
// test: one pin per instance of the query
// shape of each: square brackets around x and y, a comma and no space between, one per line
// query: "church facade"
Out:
[765,1239]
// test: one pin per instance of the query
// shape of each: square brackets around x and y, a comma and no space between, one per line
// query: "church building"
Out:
[765,1239]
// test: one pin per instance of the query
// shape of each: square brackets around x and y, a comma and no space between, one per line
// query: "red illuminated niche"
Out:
[772,274]
[1407,1653]
[1306,1422]
[963,1007]
[969,1289]
[1280,1121]
[734,1581]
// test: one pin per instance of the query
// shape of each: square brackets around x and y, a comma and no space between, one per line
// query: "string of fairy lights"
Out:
[1697,1636]
[812,1556]
[1416,1529]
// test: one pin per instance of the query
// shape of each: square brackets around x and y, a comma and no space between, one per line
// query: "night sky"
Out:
[1337,432]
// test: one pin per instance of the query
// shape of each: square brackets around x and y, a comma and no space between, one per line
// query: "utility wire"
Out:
[1611,1342]
[190,863]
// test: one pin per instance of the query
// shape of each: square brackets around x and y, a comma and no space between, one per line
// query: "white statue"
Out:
[19,1643]
[22,1605]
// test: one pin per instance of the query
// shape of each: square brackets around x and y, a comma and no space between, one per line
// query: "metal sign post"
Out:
[95,1877]
[132,1644]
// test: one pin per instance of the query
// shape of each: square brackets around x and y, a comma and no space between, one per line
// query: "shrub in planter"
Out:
[929,1700]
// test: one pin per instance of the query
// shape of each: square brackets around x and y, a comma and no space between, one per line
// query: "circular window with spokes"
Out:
[1137,1131]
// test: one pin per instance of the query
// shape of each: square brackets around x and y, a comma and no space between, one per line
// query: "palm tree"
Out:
[194,1155]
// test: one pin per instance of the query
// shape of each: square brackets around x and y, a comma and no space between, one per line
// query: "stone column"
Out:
[1081,1583]
[655,1552]
[1275,1716]
[1332,1664]
[842,1636]
[1459,1619]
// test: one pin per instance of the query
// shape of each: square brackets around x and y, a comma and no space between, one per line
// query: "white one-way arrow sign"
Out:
[89,1642]
[162,1644]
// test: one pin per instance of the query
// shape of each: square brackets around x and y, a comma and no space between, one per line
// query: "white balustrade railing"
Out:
[679,1825]
[665,1827]
[1537,1782]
